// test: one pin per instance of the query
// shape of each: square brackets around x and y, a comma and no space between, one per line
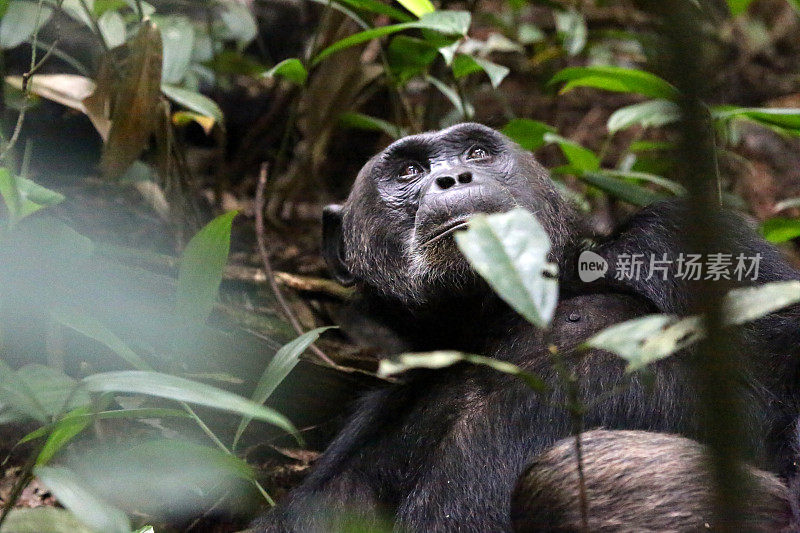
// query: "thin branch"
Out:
[262,250]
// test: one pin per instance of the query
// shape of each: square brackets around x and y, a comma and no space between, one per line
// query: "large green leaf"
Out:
[278,368]
[442,359]
[177,38]
[463,65]
[616,79]
[20,21]
[201,267]
[647,339]
[62,433]
[39,392]
[409,57]
[184,390]
[654,113]
[738,7]
[510,251]
[780,229]
[527,133]
[88,507]
[445,22]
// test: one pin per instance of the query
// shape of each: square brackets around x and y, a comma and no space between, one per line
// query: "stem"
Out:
[262,250]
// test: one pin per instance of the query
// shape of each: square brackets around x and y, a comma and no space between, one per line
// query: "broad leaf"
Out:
[616,79]
[751,303]
[654,113]
[464,65]
[442,359]
[572,27]
[780,229]
[409,57]
[579,157]
[40,519]
[510,251]
[620,188]
[62,433]
[201,266]
[291,69]
[20,21]
[527,133]
[177,38]
[647,339]
[184,390]
[39,392]
[195,101]
[278,368]
[86,506]
[112,26]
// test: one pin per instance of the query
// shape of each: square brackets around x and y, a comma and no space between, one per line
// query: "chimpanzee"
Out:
[636,481]
[442,450]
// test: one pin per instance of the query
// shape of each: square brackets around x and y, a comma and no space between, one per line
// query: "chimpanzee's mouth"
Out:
[448,228]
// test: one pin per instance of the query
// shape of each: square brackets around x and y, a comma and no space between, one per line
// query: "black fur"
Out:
[442,451]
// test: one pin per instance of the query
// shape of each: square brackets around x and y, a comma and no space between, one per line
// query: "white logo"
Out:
[591,266]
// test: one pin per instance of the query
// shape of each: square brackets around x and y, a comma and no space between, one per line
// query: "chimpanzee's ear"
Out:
[333,244]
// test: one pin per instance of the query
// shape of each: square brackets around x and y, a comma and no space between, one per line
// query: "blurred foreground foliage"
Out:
[89,338]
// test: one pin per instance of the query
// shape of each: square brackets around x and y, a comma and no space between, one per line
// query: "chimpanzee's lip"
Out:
[449,227]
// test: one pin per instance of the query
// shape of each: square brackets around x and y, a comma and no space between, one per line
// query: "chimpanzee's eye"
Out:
[477,152]
[411,170]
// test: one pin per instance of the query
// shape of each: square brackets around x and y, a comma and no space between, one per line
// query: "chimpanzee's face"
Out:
[394,232]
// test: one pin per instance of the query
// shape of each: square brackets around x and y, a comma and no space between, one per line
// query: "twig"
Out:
[262,250]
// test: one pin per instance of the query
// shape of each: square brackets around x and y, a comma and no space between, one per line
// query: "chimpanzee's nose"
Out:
[447,181]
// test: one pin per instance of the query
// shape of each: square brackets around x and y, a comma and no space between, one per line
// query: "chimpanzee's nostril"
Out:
[445,182]
[465,177]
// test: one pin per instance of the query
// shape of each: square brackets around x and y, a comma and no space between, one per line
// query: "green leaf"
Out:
[20,21]
[463,65]
[509,250]
[62,432]
[409,57]
[364,122]
[87,507]
[89,326]
[620,188]
[238,23]
[102,6]
[527,133]
[184,390]
[374,6]
[194,101]
[24,197]
[751,303]
[647,339]
[200,272]
[572,27]
[418,7]
[738,7]
[630,175]
[654,113]
[38,391]
[278,368]
[291,69]
[177,40]
[112,26]
[579,157]
[465,109]
[445,22]
[41,519]
[616,79]
[785,120]
[442,359]
[780,229]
